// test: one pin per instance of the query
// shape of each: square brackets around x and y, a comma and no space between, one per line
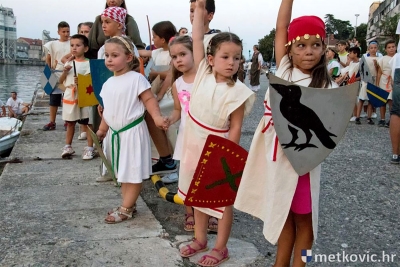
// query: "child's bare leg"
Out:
[158,136]
[355,111]
[224,231]
[189,219]
[88,136]
[286,242]
[200,229]
[53,113]
[390,102]
[130,193]
[70,132]
[383,112]
[369,110]
[304,237]
[359,107]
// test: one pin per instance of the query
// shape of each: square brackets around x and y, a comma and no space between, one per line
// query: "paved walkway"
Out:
[52,211]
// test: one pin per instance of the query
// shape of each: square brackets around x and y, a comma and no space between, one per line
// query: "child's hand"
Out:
[67,68]
[159,96]
[101,134]
[161,122]
[76,81]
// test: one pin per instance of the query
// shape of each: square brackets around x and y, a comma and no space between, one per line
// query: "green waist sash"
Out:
[116,134]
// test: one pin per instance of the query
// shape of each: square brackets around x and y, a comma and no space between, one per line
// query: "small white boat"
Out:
[9,134]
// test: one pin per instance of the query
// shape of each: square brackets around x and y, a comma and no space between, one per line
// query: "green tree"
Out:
[388,26]
[341,29]
[266,46]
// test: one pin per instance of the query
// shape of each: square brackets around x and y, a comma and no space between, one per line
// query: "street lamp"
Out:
[355,29]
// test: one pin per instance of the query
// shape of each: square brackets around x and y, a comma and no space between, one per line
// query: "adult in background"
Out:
[16,106]
[182,31]
[96,35]
[255,70]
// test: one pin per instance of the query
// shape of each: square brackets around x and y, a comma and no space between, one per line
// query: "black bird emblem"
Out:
[301,117]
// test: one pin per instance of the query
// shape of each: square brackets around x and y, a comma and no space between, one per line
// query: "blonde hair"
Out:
[128,47]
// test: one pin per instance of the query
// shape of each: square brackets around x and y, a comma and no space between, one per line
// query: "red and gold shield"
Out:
[218,174]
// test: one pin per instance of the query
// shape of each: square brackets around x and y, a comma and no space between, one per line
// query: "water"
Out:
[21,79]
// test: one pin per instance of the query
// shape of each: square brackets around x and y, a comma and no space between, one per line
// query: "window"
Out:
[392,4]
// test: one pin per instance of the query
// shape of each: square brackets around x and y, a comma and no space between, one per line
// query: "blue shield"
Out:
[376,95]
[48,80]
[100,75]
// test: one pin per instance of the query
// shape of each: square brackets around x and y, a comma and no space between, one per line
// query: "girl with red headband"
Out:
[270,188]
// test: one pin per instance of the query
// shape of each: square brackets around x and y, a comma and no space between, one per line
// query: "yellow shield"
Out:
[86,96]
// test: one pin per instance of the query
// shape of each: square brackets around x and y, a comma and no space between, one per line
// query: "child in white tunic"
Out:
[114,21]
[126,96]
[371,60]
[384,77]
[270,188]
[71,112]
[217,106]
[183,72]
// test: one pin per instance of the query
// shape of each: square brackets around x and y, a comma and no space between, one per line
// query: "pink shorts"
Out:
[301,203]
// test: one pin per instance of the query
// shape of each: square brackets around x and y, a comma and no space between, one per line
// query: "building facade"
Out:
[378,11]
[8,34]
[22,50]
[35,47]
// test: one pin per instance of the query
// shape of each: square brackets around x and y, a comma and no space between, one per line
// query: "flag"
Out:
[48,80]
[86,96]
[218,174]
[100,75]
[352,79]
[376,95]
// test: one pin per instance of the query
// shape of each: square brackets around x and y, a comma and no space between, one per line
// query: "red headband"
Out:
[305,26]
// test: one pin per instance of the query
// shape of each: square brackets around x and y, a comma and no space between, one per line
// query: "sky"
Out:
[251,20]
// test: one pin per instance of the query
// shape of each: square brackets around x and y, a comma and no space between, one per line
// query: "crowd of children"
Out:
[199,76]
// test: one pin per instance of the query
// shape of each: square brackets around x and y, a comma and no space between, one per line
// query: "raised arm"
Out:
[198,32]
[282,25]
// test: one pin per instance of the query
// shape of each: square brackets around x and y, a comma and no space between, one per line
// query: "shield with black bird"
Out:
[309,122]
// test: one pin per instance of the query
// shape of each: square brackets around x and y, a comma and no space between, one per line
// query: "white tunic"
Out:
[386,78]
[211,104]
[71,111]
[122,106]
[184,91]
[267,186]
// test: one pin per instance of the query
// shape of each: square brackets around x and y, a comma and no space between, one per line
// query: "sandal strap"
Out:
[202,246]
[211,257]
[116,216]
[223,252]
[188,215]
